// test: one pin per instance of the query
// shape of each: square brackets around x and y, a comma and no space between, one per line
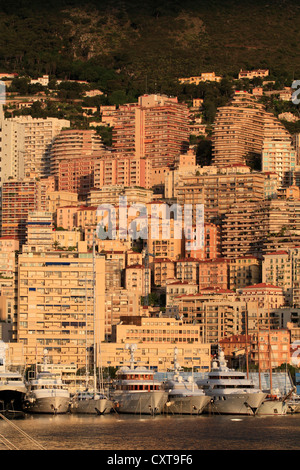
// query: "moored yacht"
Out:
[184,396]
[135,391]
[12,388]
[272,405]
[230,390]
[46,393]
[276,403]
[91,402]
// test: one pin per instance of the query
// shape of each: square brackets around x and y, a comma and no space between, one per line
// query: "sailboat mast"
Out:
[246,349]
[86,340]
[269,348]
[94,315]
[258,349]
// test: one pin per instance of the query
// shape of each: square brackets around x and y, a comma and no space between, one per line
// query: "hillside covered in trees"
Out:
[126,48]
[142,46]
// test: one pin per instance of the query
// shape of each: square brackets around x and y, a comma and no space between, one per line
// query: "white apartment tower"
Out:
[25,144]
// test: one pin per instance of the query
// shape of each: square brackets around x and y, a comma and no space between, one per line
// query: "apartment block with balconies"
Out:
[155,128]
[19,198]
[56,308]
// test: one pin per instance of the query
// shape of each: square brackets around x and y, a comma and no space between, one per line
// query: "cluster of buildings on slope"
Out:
[152,287]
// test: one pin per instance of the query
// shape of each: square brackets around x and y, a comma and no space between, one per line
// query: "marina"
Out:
[141,391]
[170,410]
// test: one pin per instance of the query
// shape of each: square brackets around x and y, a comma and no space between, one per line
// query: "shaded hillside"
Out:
[148,43]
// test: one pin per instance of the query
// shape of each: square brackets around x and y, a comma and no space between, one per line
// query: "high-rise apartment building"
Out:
[238,131]
[19,198]
[245,133]
[26,143]
[56,308]
[120,302]
[218,314]
[73,156]
[282,268]
[220,188]
[8,275]
[206,273]
[278,152]
[155,128]
[113,169]
[212,243]
[39,232]
[255,228]
[162,242]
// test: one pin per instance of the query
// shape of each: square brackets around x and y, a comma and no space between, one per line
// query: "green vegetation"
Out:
[126,48]
[142,46]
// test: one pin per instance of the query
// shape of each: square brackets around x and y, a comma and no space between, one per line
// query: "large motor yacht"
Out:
[12,388]
[135,390]
[230,390]
[46,393]
[184,396]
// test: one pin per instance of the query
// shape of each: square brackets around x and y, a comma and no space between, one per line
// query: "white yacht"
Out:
[184,396]
[230,391]
[46,394]
[136,392]
[12,388]
[274,404]
[90,402]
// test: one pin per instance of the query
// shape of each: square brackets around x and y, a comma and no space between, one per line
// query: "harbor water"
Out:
[146,433]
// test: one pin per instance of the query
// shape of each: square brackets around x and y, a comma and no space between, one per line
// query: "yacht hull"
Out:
[191,405]
[48,405]
[92,406]
[11,401]
[272,408]
[236,404]
[148,402]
